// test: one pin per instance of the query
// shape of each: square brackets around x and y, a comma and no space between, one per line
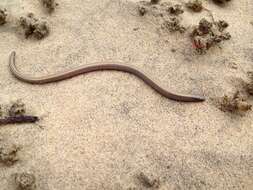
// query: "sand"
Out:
[102,129]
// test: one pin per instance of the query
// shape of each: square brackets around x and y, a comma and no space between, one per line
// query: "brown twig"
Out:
[18,119]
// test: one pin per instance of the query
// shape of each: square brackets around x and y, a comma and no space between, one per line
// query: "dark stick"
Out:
[18,119]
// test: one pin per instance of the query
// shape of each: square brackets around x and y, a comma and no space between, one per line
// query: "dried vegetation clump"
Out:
[195,5]
[17,108]
[8,153]
[167,14]
[34,27]
[173,24]
[3,16]
[208,34]
[49,5]
[176,9]
[148,180]
[25,181]
[236,103]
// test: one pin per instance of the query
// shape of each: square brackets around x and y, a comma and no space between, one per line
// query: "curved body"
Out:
[99,67]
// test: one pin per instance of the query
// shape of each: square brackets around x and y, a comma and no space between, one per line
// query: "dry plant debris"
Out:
[34,27]
[208,34]
[142,10]
[235,103]
[222,25]
[173,24]
[49,5]
[221,1]
[249,86]
[3,16]
[8,153]
[148,181]
[195,5]
[166,13]
[176,9]
[155,1]
[25,181]
[149,7]
[17,108]
[1,111]
[16,114]
[161,9]
[18,119]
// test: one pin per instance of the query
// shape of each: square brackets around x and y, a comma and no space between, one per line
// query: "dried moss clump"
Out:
[236,103]
[249,86]
[222,25]
[166,15]
[195,5]
[25,181]
[49,5]
[148,181]
[34,27]
[159,10]
[3,16]
[8,153]
[173,25]
[17,108]
[176,9]
[142,10]
[208,34]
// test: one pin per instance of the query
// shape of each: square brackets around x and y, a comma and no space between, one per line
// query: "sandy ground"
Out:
[102,129]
